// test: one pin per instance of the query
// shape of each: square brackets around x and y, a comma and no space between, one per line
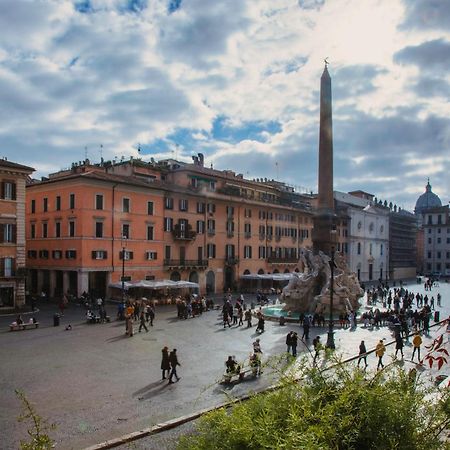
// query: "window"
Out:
[194,182]
[183,205]
[429,230]
[168,224]
[438,255]
[58,203]
[72,201]
[247,213]
[168,203]
[57,229]
[439,220]
[126,205]
[126,231]
[150,232]
[71,254]
[201,207]
[429,240]
[99,254]
[381,249]
[33,231]
[71,228]
[211,208]
[43,254]
[167,252]
[32,254]
[8,190]
[430,220]
[212,185]
[57,254]
[33,206]
[126,255]
[200,226]
[211,226]
[151,256]
[8,233]
[45,204]
[247,251]
[439,231]
[211,250]
[98,201]
[429,255]
[230,228]
[150,208]
[44,230]
[359,225]
[359,248]
[438,240]
[261,252]
[229,251]
[448,240]
[98,229]
[8,267]
[230,211]
[370,249]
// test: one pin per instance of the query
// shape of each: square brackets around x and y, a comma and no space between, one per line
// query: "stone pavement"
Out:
[94,383]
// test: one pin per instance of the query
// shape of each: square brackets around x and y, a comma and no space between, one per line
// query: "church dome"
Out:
[427,200]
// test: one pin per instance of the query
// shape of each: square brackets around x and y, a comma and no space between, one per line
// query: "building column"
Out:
[65,282]
[20,294]
[40,281]
[52,283]
[83,283]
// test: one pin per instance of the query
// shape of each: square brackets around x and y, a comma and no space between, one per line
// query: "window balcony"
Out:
[282,260]
[198,264]
[231,260]
[183,234]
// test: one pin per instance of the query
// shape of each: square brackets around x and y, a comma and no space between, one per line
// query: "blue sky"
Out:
[232,79]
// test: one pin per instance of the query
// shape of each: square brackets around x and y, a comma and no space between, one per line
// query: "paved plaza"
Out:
[95,383]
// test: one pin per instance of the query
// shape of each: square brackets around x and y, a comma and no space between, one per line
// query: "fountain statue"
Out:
[310,291]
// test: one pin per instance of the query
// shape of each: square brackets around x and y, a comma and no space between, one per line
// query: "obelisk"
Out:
[323,235]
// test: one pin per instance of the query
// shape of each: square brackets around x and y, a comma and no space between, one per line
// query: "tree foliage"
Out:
[346,409]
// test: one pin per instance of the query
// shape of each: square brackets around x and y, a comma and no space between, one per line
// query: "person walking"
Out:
[398,345]
[306,326]
[289,342]
[142,321]
[294,341]
[362,354]
[317,347]
[173,359]
[417,342]
[151,314]
[248,318]
[257,346]
[165,362]
[380,350]
[241,316]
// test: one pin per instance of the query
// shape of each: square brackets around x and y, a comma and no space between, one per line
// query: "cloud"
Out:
[426,14]
[431,56]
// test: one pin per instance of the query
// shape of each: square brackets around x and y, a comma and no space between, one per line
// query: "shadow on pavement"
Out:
[151,390]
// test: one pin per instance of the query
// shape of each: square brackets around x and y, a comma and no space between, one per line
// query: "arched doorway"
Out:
[175,276]
[260,272]
[193,278]
[246,272]
[228,283]
[296,270]
[286,271]
[210,282]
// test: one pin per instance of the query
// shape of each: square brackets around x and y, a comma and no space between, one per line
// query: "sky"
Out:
[237,80]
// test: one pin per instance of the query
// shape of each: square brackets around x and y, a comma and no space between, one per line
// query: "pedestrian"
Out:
[173,359]
[241,316]
[151,314]
[142,321]
[165,362]
[317,347]
[289,341]
[257,346]
[261,322]
[417,342]
[294,341]
[305,328]
[235,315]
[398,345]
[380,350]
[362,354]
[248,318]
[438,298]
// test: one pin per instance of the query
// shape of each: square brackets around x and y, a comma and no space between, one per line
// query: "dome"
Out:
[427,200]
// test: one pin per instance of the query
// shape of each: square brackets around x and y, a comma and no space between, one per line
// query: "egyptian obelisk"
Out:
[325,218]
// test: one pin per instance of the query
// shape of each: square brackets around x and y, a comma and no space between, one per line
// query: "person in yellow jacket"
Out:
[380,350]
[417,342]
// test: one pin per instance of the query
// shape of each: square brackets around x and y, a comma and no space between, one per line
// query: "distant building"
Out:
[434,234]
[176,221]
[368,234]
[13,177]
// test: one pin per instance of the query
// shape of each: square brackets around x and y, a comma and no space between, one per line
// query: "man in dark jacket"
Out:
[173,359]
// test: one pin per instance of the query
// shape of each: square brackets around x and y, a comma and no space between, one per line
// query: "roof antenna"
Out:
[101,151]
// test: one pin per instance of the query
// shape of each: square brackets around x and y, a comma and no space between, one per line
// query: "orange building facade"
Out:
[174,221]
[12,233]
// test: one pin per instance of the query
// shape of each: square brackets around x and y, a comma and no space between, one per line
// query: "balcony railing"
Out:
[247,235]
[230,234]
[282,260]
[183,234]
[231,260]
[186,263]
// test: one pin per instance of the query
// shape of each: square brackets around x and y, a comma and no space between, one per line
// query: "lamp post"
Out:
[330,339]
[123,242]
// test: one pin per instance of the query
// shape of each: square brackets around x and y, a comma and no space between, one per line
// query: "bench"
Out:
[98,319]
[228,376]
[23,326]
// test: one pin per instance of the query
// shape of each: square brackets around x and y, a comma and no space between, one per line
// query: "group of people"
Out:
[169,363]
[192,306]
[142,311]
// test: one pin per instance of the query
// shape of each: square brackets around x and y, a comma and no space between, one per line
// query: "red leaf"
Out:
[431,362]
[439,340]
[440,363]
[443,350]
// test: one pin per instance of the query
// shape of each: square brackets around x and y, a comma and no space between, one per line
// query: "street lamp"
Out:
[123,242]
